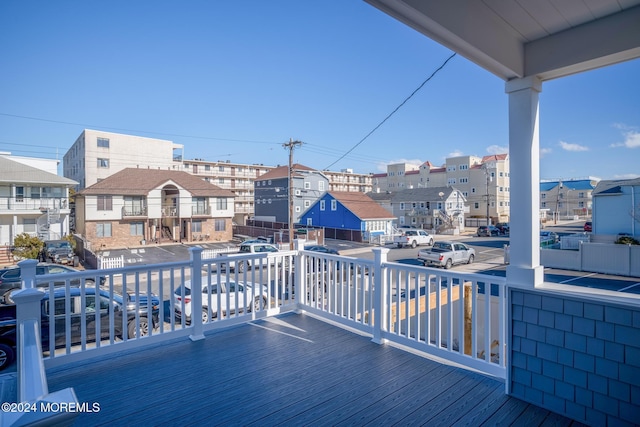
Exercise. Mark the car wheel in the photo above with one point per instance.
(448, 264)
(431, 242)
(399, 245)
(7, 355)
(6, 297)
(241, 266)
(144, 328)
(414, 244)
(205, 315)
(257, 302)
(470, 259)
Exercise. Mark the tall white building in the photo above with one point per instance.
(96, 155)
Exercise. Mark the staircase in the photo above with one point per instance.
(50, 216)
(6, 258)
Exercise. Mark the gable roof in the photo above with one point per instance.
(614, 186)
(361, 205)
(283, 172)
(139, 182)
(19, 173)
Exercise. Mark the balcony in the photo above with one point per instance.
(28, 204)
(312, 350)
(200, 210)
(134, 212)
(169, 211)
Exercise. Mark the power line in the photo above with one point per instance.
(394, 111)
(88, 126)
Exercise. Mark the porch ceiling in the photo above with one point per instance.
(514, 39)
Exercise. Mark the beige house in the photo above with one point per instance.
(140, 206)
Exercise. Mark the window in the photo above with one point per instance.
(103, 229)
(105, 203)
(451, 181)
(136, 229)
(103, 142)
(196, 226)
(220, 225)
(307, 185)
(473, 189)
(297, 208)
(322, 203)
(476, 205)
(221, 181)
(29, 225)
(401, 206)
(199, 205)
(543, 196)
(207, 167)
(580, 195)
(544, 204)
(307, 203)
(221, 203)
(334, 205)
(321, 185)
(463, 167)
(103, 163)
(19, 194)
(134, 205)
(221, 168)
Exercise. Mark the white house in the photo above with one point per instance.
(616, 207)
(32, 201)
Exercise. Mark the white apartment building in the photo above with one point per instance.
(96, 155)
(347, 180)
(483, 181)
(235, 177)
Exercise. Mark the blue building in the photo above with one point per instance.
(349, 214)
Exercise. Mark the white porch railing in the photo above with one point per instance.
(452, 315)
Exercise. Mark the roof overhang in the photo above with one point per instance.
(514, 40)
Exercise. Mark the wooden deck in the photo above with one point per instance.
(290, 370)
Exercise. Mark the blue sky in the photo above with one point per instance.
(234, 80)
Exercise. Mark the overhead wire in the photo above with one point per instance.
(394, 111)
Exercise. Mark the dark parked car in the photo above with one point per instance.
(487, 231)
(59, 252)
(321, 248)
(503, 227)
(10, 277)
(97, 302)
(587, 227)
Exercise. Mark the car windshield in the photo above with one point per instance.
(441, 245)
(183, 290)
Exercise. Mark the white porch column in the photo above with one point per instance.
(524, 153)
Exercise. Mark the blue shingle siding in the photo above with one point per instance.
(618, 316)
(576, 356)
(552, 304)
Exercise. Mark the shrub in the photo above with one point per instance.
(627, 240)
(26, 246)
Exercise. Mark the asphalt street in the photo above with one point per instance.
(489, 257)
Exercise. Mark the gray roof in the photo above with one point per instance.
(613, 186)
(18, 173)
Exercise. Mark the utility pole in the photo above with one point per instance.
(488, 176)
(290, 146)
(556, 214)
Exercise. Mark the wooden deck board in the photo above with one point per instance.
(292, 370)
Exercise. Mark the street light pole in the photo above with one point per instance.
(556, 214)
(291, 145)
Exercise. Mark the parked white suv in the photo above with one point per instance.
(234, 297)
(246, 248)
